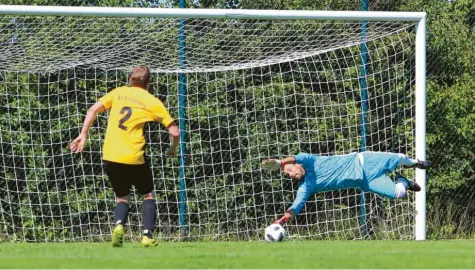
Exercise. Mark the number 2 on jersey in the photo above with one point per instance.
(128, 113)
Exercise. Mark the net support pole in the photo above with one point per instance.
(420, 222)
(182, 122)
(364, 108)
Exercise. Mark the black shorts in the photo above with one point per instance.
(123, 176)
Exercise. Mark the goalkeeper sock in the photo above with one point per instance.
(121, 211)
(401, 187)
(149, 213)
(404, 160)
(400, 190)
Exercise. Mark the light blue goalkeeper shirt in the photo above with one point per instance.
(324, 173)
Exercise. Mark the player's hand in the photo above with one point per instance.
(171, 152)
(78, 144)
(281, 221)
(271, 164)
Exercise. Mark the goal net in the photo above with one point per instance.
(242, 89)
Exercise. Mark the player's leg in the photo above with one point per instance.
(406, 161)
(376, 164)
(121, 185)
(384, 186)
(121, 212)
(144, 184)
(149, 215)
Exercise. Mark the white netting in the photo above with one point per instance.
(52, 43)
(255, 89)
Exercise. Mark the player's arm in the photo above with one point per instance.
(276, 164)
(78, 144)
(303, 193)
(91, 117)
(174, 132)
(163, 116)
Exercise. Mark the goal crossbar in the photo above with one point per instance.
(211, 13)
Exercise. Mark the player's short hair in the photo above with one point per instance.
(140, 77)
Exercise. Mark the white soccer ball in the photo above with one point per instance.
(274, 233)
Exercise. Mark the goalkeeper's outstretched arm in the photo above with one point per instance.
(273, 165)
(303, 193)
(295, 172)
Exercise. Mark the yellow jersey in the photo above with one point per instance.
(130, 108)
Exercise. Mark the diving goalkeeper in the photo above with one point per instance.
(366, 171)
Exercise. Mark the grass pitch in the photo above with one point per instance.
(290, 254)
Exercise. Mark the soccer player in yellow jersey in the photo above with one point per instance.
(123, 153)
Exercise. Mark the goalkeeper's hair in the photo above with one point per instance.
(140, 77)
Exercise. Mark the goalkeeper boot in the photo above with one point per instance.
(149, 241)
(421, 165)
(411, 185)
(118, 236)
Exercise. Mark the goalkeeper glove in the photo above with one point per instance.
(272, 164)
(281, 221)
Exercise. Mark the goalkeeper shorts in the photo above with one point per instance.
(124, 176)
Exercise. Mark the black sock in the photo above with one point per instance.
(121, 211)
(148, 212)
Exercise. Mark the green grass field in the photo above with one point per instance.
(291, 254)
